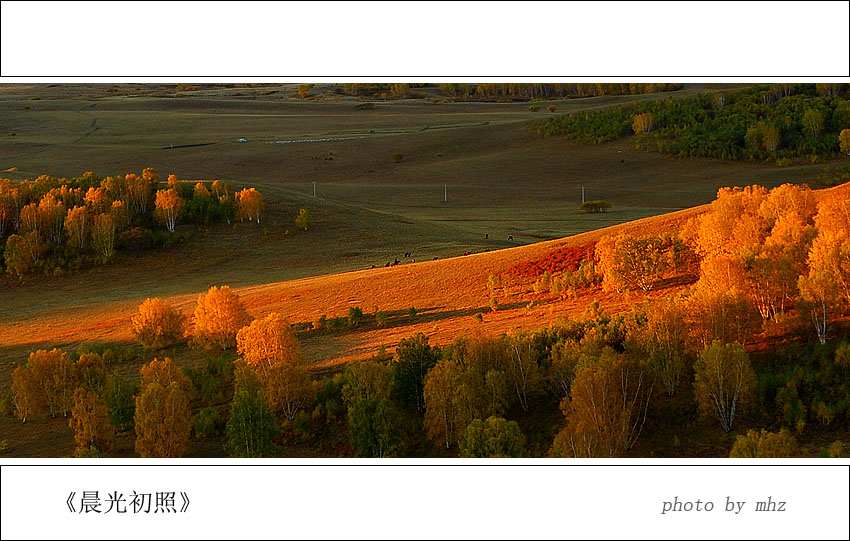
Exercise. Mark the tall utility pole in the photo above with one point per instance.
(314, 188)
(582, 194)
(445, 193)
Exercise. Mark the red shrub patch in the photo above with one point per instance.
(562, 259)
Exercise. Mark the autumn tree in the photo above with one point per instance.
(44, 385)
(97, 200)
(249, 204)
(826, 286)
(813, 122)
(366, 380)
(29, 219)
(770, 138)
(201, 191)
(844, 141)
(163, 419)
(493, 438)
(522, 370)
(764, 444)
(92, 373)
(139, 192)
(103, 235)
(27, 396)
(150, 176)
(218, 316)
(90, 422)
(302, 91)
(643, 123)
(9, 207)
(724, 381)
(51, 215)
(157, 324)
(269, 347)
(441, 403)
(830, 251)
(773, 270)
(491, 373)
(251, 426)
(566, 361)
(77, 227)
(168, 207)
(219, 188)
(116, 187)
(22, 252)
(120, 215)
(414, 357)
(662, 339)
(636, 262)
(607, 408)
(303, 220)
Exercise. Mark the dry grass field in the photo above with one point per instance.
(501, 178)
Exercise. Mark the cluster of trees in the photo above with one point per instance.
(270, 378)
(55, 224)
(78, 387)
(777, 123)
(530, 91)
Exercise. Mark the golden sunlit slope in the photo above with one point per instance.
(447, 295)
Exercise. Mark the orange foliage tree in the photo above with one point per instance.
(103, 235)
(22, 252)
(219, 188)
(826, 286)
(218, 316)
(844, 141)
(97, 199)
(168, 206)
(90, 422)
(607, 408)
(643, 123)
(51, 215)
(163, 419)
(201, 191)
(139, 191)
(44, 385)
(443, 410)
(77, 227)
(249, 204)
(157, 324)
(270, 348)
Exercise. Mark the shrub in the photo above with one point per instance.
(355, 316)
(595, 206)
(205, 423)
(552, 108)
(380, 319)
(365, 105)
(397, 157)
(411, 312)
(533, 108)
(135, 240)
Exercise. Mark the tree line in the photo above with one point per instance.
(505, 91)
(775, 123)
